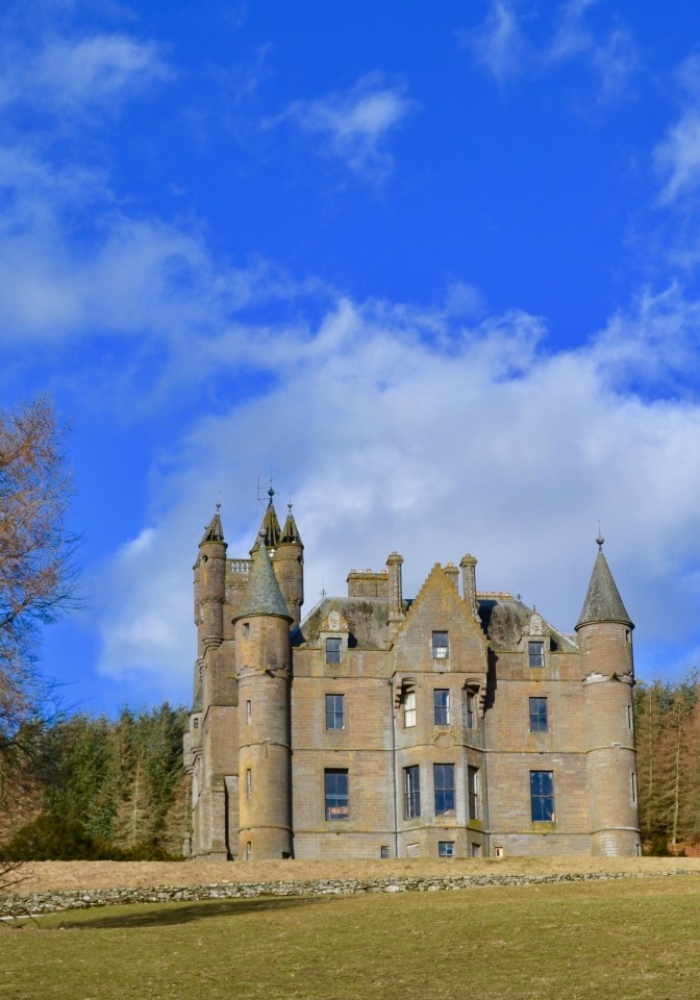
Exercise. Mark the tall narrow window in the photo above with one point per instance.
(249, 784)
(630, 718)
(542, 796)
(248, 712)
(337, 794)
(334, 650)
(441, 706)
(441, 645)
(471, 705)
(248, 851)
(335, 711)
(409, 709)
(444, 784)
(473, 787)
(411, 795)
(535, 654)
(633, 788)
(246, 628)
(538, 715)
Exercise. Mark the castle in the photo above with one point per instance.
(453, 724)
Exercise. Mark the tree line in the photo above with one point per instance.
(94, 787)
(667, 729)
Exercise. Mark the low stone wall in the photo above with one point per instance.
(54, 902)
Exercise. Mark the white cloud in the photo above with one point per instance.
(500, 44)
(678, 157)
(353, 125)
(72, 76)
(504, 48)
(393, 427)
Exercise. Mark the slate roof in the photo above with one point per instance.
(367, 619)
(603, 602)
(214, 532)
(503, 618)
(262, 595)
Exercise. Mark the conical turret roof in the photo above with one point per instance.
(214, 531)
(263, 595)
(270, 527)
(603, 602)
(290, 532)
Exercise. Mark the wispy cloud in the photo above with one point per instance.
(82, 75)
(611, 53)
(677, 156)
(500, 45)
(505, 49)
(353, 126)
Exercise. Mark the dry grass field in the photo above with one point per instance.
(623, 939)
(48, 876)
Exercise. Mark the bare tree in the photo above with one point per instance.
(36, 576)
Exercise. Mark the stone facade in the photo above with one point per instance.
(454, 724)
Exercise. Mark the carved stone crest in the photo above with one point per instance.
(536, 626)
(334, 622)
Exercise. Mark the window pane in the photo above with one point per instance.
(409, 709)
(446, 848)
(542, 796)
(538, 715)
(441, 701)
(335, 711)
(411, 792)
(334, 650)
(444, 783)
(470, 710)
(535, 653)
(441, 646)
(337, 800)
(473, 783)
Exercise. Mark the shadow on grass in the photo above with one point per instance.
(160, 915)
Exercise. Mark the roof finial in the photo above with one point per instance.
(270, 493)
(218, 506)
(599, 540)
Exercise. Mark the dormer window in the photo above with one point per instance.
(441, 645)
(535, 653)
(334, 650)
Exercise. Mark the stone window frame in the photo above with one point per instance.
(536, 652)
(473, 792)
(538, 706)
(411, 792)
(439, 647)
(444, 788)
(542, 796)
(442, 713)
(336, 794)
(335, 711)
(333, 647)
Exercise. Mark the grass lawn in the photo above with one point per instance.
(622, 940)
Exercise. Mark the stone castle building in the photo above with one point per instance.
(457, 723)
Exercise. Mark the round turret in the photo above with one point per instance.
(210, 585)
(263, 656)
(605, 639)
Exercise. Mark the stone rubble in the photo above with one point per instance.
(55, 902)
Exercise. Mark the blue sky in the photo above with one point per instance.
(434, 269)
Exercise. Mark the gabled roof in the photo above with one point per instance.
(262, 595)
(214, 531)
(603, 602)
